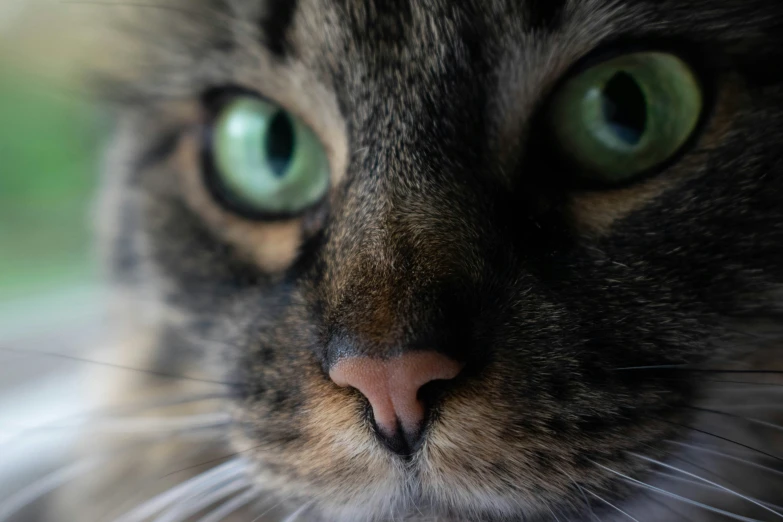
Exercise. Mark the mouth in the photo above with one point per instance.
(403, 443)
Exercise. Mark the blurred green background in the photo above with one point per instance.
(48, 164)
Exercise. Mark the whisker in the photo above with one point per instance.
(272, 507)
(191, 506)
(43, 487)
(299, 512)
(701, 468)
(85, 418)
(654, 367)
(706, 481)
(660, 503)
(696, 483)
(587, 502)
(674, 496)
(740, 417)
(554, 516)
(160, 502)
(152, 482)
(686, 368)
(773, 407)
(154, 373)
(231, 456)
(150, 425)
(723, 381)
(212, 461)
(725, 439)
(233, 505)
(56, 479)
(726, 456)
(610, 505)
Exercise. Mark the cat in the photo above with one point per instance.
(476, 260)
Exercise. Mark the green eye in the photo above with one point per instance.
(626, 115)
(266, 160)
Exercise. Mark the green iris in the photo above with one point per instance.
(267, 160)
(626, 115)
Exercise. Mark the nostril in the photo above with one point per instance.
(432, 392)
(398, 389)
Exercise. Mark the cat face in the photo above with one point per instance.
(463, 318)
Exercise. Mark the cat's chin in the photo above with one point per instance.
(400, 494)
(408, 507)
(409, 491)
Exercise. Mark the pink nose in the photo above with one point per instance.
(392, 385)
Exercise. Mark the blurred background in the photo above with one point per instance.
(48, 144)
(50, 300)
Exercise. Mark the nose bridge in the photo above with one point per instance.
(365, 296)
(374, 270)
(402, 242)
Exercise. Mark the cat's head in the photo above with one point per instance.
(464, 260)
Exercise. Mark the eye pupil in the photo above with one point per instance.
(625, 108)
(280, 143)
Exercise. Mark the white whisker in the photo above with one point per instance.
(193, 505)
(554, 516)
(272, 507)
(751, 420)
(160, 502)
(610, 505)
(587, 502)
(88, 419)
(674, 496)
(774, 407)
(233, 505)
(153, 425)
(760, 422)
(727, 456)
(715, 484)
(696, 483)
(293, 517)
(44, 486)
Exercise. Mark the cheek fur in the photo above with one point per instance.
(331, 458)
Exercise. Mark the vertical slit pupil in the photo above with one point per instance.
(280, 142)
(625, 108)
